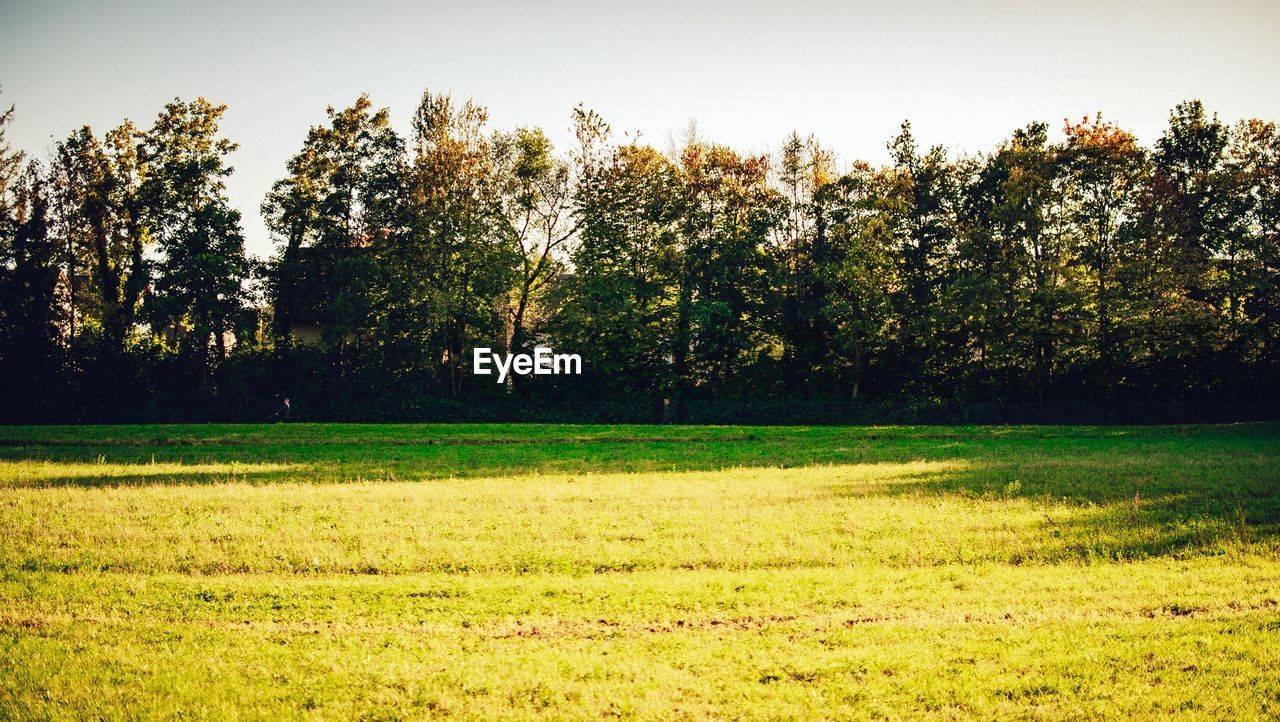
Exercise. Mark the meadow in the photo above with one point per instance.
(338, 571)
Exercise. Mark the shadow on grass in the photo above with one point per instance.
(1130, 510)
(1158, 492)
(372, 453)
(47, 474)
(338, 463)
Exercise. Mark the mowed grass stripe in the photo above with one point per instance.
(1148, 668)
(640, 601)
(915, 513)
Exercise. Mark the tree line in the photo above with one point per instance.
(1071, 276)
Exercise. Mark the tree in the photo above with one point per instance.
(200, 280)
(319, 213)
(1103, 168)
(1018, 279)
(31, 356)
(1188, 162)
(1254, 165)
(853, 261)
(724, 302)
(1081, 271)
(918, 207)
(538, 203)
(618, 307)
(105, 217)
(10, 167)
(446, 262)
(801, 249)
(1170, 269)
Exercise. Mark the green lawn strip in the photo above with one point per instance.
(364, 453)
(914, 513)
(355, 434)
(603, 604)
(1145, 640)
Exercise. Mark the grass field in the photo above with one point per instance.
(408, 571)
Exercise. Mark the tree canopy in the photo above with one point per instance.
(1068, 273)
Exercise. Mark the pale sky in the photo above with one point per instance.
(965, 72)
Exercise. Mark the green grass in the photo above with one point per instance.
(482, 571)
